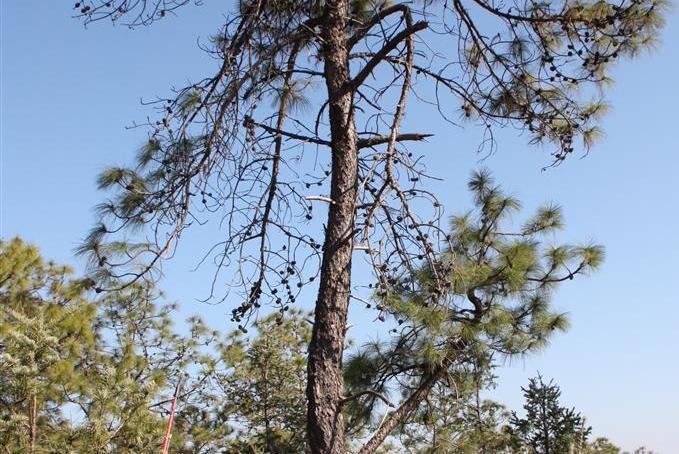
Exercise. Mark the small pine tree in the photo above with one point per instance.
(139, 362)
(602, 446)
(263, 379)
(549, 428)
(456, 419)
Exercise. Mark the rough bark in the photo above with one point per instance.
(325, 389)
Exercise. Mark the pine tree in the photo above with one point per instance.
(643, 450)
(219, 147)
(45, 329)
(602, 446)
(139, 363)
(264, 379)
(78, 375)
(549, 428)
(455, 418)
(500, 281)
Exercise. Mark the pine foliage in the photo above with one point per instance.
(547, 427)
(498, 300)
(45, 330)
(79, 374)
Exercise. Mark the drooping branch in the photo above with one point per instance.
(256, 290)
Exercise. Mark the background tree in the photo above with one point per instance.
(219, 147)
(45, 327)
(79, 375)
(140, 361)
(457, 419)
(602, 446)
(549, 428)
(263, 380)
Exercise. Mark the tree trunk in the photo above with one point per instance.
(545, 428)
(325, 387)
(406, 408)
(32, 420)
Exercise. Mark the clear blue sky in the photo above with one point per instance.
(68, 92)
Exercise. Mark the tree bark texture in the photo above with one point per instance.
(325, 388)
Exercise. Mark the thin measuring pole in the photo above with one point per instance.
(168, 430)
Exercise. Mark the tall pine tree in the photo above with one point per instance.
(218, 146)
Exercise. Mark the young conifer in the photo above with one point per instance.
(547, 427)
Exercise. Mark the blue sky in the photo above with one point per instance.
(68, 93)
